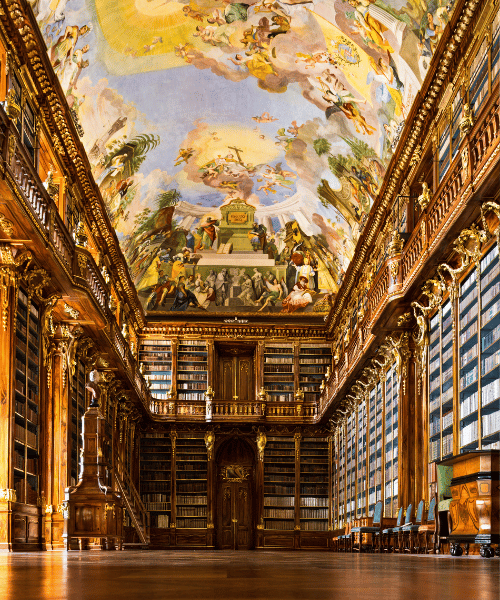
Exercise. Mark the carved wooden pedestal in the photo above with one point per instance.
(93, 510)
(475, 504)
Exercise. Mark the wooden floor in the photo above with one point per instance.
(207, 575)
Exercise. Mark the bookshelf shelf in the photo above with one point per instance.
(314, 359)
(156, 476)
(156, 356)
(279, 483)
(279, 378)
(191, 483)
(27, 387)
(192, 370)
(314, 493)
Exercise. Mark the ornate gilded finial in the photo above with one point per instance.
(396, 244)
(425, 197)
(80, 236)
(13, 109)
(467, 121)
(328, 372)
(112, 303)
(209, 394)
(141, 367)
(299, 396)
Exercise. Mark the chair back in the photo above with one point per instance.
(420, 512)
(377, 513)
(409, 514)
(400, 517)
(432, 509)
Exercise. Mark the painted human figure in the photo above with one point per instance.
(208, 232)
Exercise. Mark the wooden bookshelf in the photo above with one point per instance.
(314, 359)
(361, 482)
(279, 483)
(376, 412)
(350, 489)
(156, 476)
(314, 494)
(156, 357)
(27, 390)
(191, 469)
(441, 383)
(192, 370)
(391, 439)
(279, 379)
(78, 406)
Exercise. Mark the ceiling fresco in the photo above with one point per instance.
(239, 146)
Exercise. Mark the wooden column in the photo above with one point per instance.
(297, 437)
(8, 299)
(173, 507)
(55, 441)
(259, 491)
(211, 479)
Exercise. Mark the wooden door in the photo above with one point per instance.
(235, 515)
(236, 378)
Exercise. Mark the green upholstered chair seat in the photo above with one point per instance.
(365, 529)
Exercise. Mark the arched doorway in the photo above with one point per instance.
(235, 478)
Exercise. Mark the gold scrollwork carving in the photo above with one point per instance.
(210, 443)
(8, 495)
(235, 473)
(6, 225)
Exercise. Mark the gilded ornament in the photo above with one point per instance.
(396, 244)
(82, 263)
(394, 269)
(6, 226)
(210, 443)
(425, 197)
(80, 236)
(8, 495)
(404, 319)
(261, 444)
(72, 312)
(13, 109)
(467, 121)
(465, 160)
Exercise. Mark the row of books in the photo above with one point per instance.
(279, 525)
(489, 313)
(190, 397)
(490, 362)
(315, 361)
(158, 465)
(469, 316)
(156, 506)
(25, 435)
(191, 500)
(279, 501)
(192, 523)
(278, 360)
(468, 356)
(279, 513)
(308, 513)
(314, 525)
(279, 489)
(491, 423)
(191, 511)
(277, 369)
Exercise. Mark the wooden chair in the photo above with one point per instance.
(409, 532)
(398, 531)
(344, 539)
(387, 533)
(375, 529)
(427, 531)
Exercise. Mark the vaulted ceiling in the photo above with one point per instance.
(201, 118)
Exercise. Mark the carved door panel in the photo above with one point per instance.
(226, 378)
(245, 378)
(235, 378)
(235, 516)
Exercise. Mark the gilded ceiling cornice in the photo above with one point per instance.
(400, 162)
(20, 24)
(219, 331)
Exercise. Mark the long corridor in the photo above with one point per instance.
(228, 575)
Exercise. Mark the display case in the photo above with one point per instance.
(192, 370)
(156, 476)
(279, 372)
(191, 482)
(27, 389)
(314, 484)
(279, 483)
